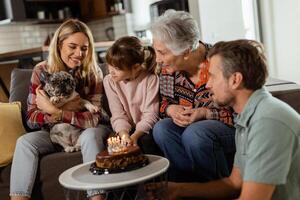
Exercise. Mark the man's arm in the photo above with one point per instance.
(226, 188)
(257, 191)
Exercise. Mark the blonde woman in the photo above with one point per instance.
(71, 50)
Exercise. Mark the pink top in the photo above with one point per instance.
(133, 104)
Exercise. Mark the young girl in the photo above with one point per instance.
(132, 89)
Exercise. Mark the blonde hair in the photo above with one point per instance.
(69, 27)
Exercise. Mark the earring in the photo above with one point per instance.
(185, 57)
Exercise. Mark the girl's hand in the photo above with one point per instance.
(43, 102)
(124, 135)
(135, 137)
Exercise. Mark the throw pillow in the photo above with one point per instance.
(11, 127)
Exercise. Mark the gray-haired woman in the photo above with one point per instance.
(194, 134)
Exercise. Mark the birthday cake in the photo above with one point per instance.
(120, 156)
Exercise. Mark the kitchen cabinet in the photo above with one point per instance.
(42, 10)
(96, 9)
(51, 9)
(55, 11)
(91, 9)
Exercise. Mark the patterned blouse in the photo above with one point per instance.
(36, 119)
(177, 88)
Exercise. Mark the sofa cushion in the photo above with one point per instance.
(19, 86)
(19, 90)
(11, 128)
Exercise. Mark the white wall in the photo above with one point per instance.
(221, 20)
(195, 11)
(281, 36)
(141, 14)
(280, 27)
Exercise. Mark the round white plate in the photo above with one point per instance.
(80, 178)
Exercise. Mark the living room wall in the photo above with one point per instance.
(281, 30)
(278, 23)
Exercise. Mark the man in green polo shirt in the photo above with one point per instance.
(267, 160)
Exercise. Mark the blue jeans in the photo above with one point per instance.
(31, 145)
(198, 150)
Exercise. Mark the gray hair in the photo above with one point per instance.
(178, 30)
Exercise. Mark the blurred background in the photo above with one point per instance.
(29, 24)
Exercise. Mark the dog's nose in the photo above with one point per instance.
(54, 100)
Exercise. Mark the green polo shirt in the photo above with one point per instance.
(268, 144)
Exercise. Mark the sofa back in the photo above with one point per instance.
(288, 92)
(19, 86)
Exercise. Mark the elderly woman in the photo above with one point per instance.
(194, 134)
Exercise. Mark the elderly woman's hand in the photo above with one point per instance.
(176, 112)
(195, 114)
(43, 102)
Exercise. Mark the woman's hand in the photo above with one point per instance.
(176, 112)
(195, 114)
(135, 137)
(74, 105)
(173, 110)
(43, 102)
(184, 116)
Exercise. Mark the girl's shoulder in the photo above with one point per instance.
(148, 79)
(153, 77)
(107, 80)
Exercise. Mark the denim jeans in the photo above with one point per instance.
(198, 151)
(31, 145)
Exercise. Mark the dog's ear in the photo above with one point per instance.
(45, 77)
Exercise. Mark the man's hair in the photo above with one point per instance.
(244, 56)
(178, 30)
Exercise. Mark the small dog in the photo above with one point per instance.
(60, 87)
